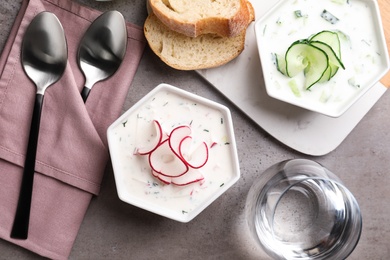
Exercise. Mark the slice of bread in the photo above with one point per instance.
(184, 52)
(226, 18)
(188, 53)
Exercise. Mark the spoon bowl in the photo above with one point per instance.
(44, 58)
(44, 51)
(102, 49)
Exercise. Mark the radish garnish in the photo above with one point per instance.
(213, 144)
(162, 178)
(172, 157)
(154, 141)
(194, 159)
(164, 161)
(176, 136)
(191, 176)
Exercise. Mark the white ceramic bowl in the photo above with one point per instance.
(363, 51)
(210, 122)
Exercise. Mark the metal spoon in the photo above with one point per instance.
(102, 49)
(44, 58)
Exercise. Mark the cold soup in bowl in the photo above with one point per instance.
(173, 153)
(322, 55)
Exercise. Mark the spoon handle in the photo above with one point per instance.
(22, 217)
(85, 93)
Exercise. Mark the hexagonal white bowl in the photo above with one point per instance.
(363, 51)
(134, 182)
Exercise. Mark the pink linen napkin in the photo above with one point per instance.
(72, 147)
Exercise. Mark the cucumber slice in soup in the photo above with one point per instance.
(326, 76)
(333, 59)
(301, 55)
(329, 73)
(334, 63)
(330, 38)
(280, 63)
(296, 60)
(334, 70)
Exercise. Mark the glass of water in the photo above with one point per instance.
(298, 209)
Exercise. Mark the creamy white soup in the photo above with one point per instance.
(172, 110)
(360, 49)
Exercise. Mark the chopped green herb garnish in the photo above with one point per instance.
(298, 14)
(227, 143)
(166, 103)
(184, 212)
(329, 17)
(353, 83)
(124, 123)
(206, 130)
(264, 30)
(221, 120)
(221, 184)
(366, 42)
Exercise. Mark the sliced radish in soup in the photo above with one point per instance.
(154, 139)
(191, 176)
(164, 161)
(162, 178)
(177, 135)
(193, 158)
(174, 157)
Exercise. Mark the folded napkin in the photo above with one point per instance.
(72, 147)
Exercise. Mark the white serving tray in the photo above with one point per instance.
(308, 132)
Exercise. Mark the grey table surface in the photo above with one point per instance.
(115, 230)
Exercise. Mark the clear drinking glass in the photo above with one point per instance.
(298, 209)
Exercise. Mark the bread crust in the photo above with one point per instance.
(164, 42)
(220, 25)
